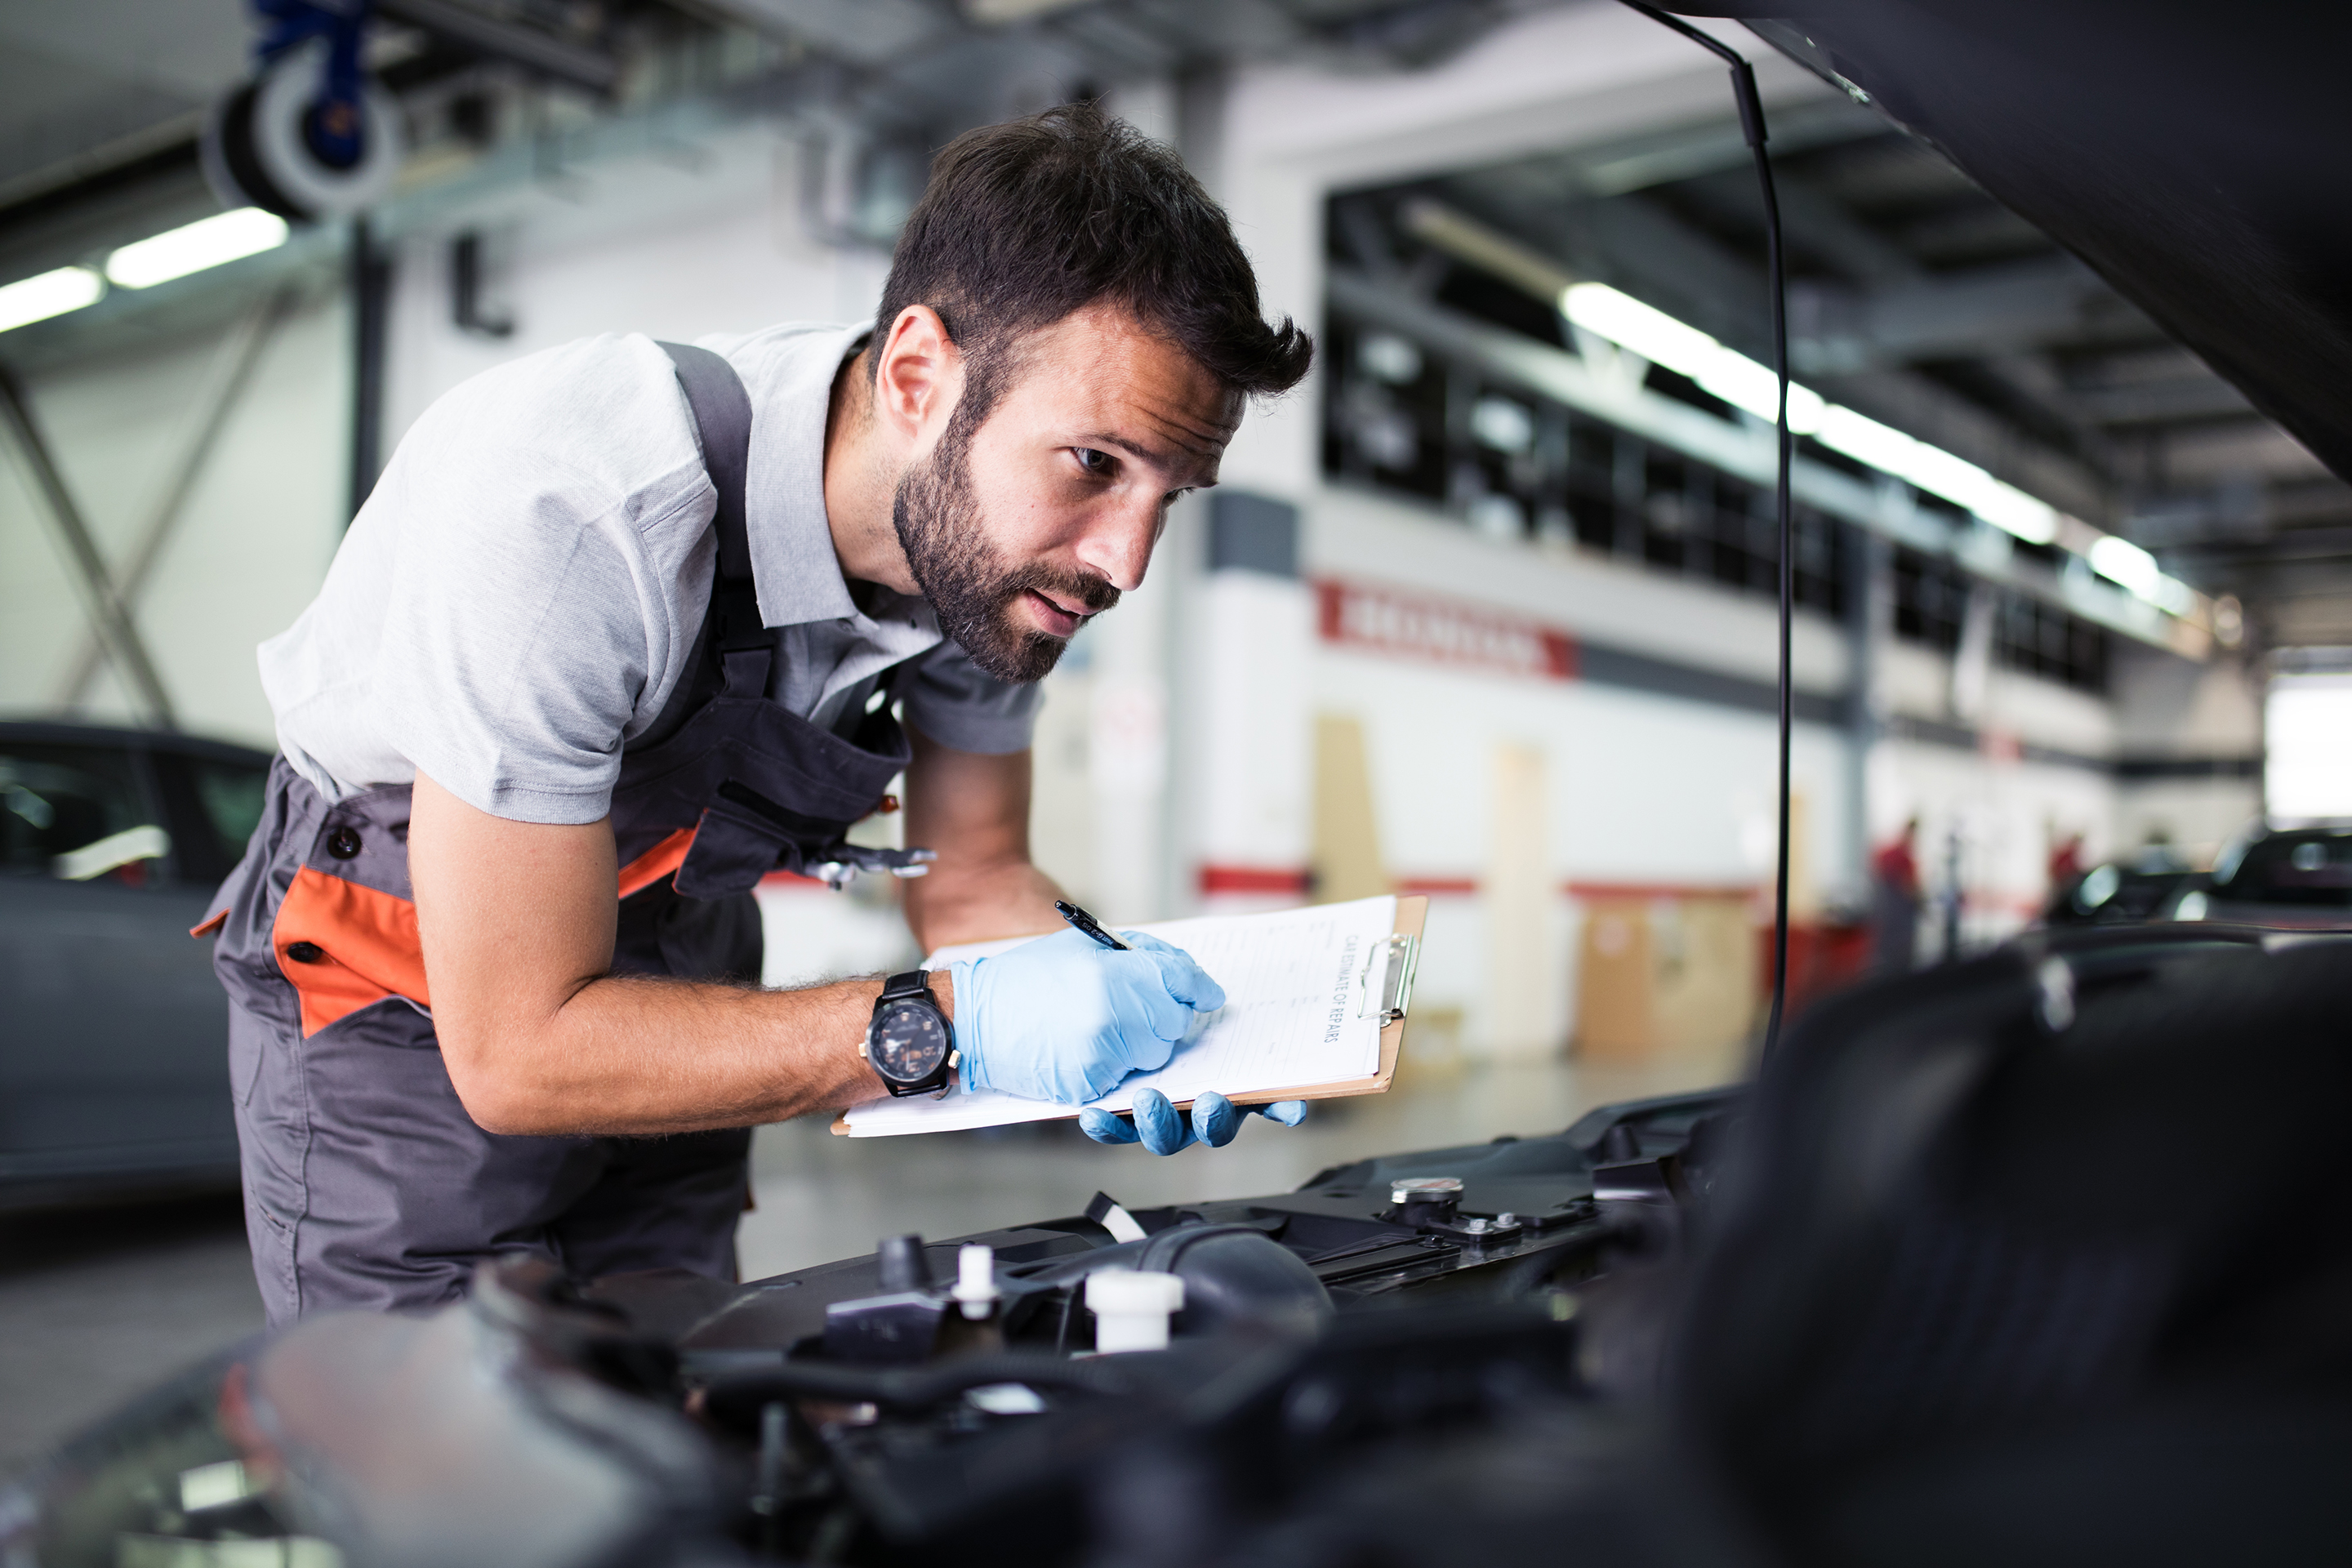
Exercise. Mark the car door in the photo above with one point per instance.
(114, 1058)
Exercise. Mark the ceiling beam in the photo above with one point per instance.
(2200, 399)
(1982, 310)
(534, 49)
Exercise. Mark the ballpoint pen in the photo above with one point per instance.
(1087, 923)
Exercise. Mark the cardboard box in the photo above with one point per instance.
(1664, 971)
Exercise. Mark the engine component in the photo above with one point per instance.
(1132, 1308)
(903, 1265)
(1427, 1200)
(898, 1329)
(975, 1287)
(502, 1411)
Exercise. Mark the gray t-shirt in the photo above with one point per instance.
(521, 594)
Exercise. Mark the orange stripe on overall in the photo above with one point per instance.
(361, 944)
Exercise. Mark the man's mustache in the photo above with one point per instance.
(1092, 593)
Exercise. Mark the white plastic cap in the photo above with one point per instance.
(1131, 1308)
(975, 1285)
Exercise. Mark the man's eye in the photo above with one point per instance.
(1093, 461)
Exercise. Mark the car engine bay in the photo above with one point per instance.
(1969, 1263)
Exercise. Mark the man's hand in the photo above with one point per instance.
(517, 920)
(973, 810)
(1064, 1018)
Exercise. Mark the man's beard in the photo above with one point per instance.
(970, 586)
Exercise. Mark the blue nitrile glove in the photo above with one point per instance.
(1064, 1018)
(1158, 1127)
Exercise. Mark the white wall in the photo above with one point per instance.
(259, 526)
(1352, 534)
(1642, 790)
(2196, 816)
(2167, 707)
(2171, 709)
(708, 239)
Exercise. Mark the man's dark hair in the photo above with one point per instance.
(1025, 221)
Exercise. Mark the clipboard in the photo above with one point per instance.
(1384, 985)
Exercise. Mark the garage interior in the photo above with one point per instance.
(1483, 612)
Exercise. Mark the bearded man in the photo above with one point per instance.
(627, 626)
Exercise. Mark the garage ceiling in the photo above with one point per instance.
(77, 78)
(1915, 296)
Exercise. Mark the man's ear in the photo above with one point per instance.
(918, 375)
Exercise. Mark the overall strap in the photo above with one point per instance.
(722, 413)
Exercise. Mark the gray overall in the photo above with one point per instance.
(366, 1184)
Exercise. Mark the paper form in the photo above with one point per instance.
(1294, 1017)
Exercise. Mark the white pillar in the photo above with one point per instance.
(1245, 764)
(1128, 729)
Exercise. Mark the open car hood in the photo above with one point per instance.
(2193, 153)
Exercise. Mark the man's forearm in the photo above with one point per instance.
(973, 808)
(539, 1037)
(980, 903)
(638, 1054)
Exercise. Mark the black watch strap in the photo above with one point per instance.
(914, 983)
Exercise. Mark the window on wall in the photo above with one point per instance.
(1399, 416)
(1511, 464)
(2308, 723)
(1931, 600)
(1931, 606)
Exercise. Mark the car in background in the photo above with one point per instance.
(2133, 890)
(114, 1057)
(2297, 877)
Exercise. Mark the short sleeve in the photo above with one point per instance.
(526, 628)
(958, 704)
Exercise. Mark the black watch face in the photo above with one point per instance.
(909, 1042)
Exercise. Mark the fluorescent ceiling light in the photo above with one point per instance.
(47, 294)
(2129, 567)
(1744, 384)
(2126, 565)
(1005, 13)
(1741, 382)
(1662, 340)
(191, 247)
(2006, 507)
(1648, 330)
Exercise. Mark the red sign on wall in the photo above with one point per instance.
(1442, 631)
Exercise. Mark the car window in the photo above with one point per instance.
(232, 794)
(77, 813)
(2294, 868)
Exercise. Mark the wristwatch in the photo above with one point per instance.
(910, 1043)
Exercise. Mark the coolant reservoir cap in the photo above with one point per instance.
(1120, 1292)
(1425, 1189)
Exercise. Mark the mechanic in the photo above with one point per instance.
(572, 687)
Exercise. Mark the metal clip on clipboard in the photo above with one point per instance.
(1386, 984)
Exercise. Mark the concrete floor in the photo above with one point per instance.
(96, 1305)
